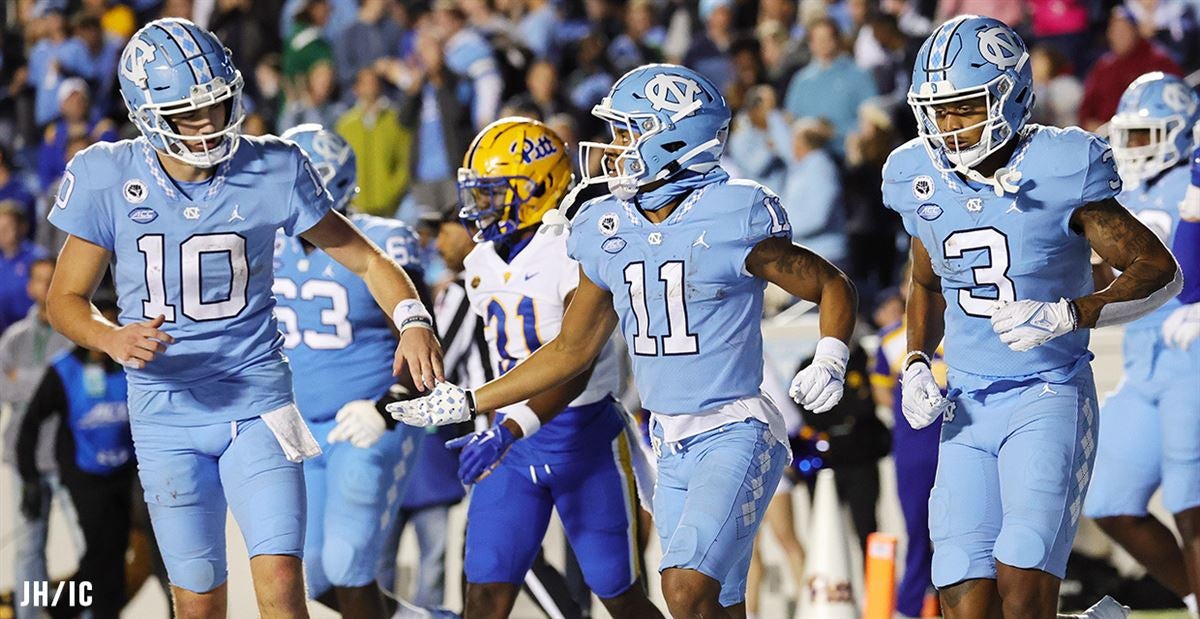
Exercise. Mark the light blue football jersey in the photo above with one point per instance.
(202, 260)
(338, 340)
(1015, 247)
(689, 311)
(1156, 204)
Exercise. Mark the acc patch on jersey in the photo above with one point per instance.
(134, 191)
(613, 245)
(143, 215)
(929, 211)
(922, 187)
(608, 224)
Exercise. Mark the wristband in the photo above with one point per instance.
(522, 415)
(833, 349)
(1074, 313)
(410, 313)
(913, 357)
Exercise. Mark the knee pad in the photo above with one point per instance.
(682, 548)
(196, 575)
(347, 565)
(951, 564)
(360, 485)
(1020, 546)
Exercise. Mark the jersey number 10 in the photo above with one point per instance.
(191, 283)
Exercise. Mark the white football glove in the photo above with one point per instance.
(446, 404)
(818, 387)
(1026, 324)
(921, 399)
(359, 423)
(1182, 327)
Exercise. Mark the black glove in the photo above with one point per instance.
(33, 494)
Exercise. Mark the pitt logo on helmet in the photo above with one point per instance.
(514, 172)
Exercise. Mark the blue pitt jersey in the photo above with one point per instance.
(689, 311)
(1015, 247)
(202, 259)
(339, 341)
(1156, 204)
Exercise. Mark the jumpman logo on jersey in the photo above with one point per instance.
(1046, 389)
(1014, 208)
(699, 242)
(236, 216)
(328, 272)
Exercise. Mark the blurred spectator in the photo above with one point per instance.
(748, 71)
(382, 145)
(1007, 11)
(1058, 91)
(315, 101)
(435, 111)
(542, 97)
(589, 83)
(537, 27)
(249, 34)
(12, 189)
(709, 51)
(268, 81)
(372, 36)
(51, 60)
(750, 146)
(116, 19)
(16, 256)
(782, 55)
(100, 58)
(831, 86)
(882, 49)
(1063, 25)
(86, 392)
(471, 58)
(26, 349)
(911, 21)
(305, 46)
(77, 119)
(1130, 55)
(341, 15)
(641, 41)
(915, 455)
(483, 17)
(812, 194)
(1171, 24)
(51, 237)
(871, 228)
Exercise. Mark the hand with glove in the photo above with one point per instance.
(1023, 325)
(446, 404)
(1182, 327)
(481, 452)
(818, 387)
(358, 422)
(921, 399)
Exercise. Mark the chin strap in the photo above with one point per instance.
(1003, 181)
(555, 220)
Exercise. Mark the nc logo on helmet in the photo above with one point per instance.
(671, 92)
(133, 61)
(1177, 97)
(330, 147)
(1000, 47)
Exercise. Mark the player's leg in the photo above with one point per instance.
(965, 514)
(596, 498)
(1180, 411)
(1045, 465)
(266, 496)
(1128, 470)
(781, 518)
(754, 578)
(364, 488)
(506, 521)
(731, 473)
(316, 477)
(182, 487)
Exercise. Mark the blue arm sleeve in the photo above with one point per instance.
(1187, 252)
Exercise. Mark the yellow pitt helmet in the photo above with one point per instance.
(515, 170)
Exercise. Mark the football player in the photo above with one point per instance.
(679, 254)
(337, 341)
(573, 455)
(186, 216)
(1002, 215)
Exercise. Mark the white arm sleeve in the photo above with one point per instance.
(1127, 311)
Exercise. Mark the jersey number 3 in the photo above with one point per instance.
(990, 276)
(679, 339)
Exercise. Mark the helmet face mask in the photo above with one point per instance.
(1154, 127)
(492, 203)
(172, 67)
